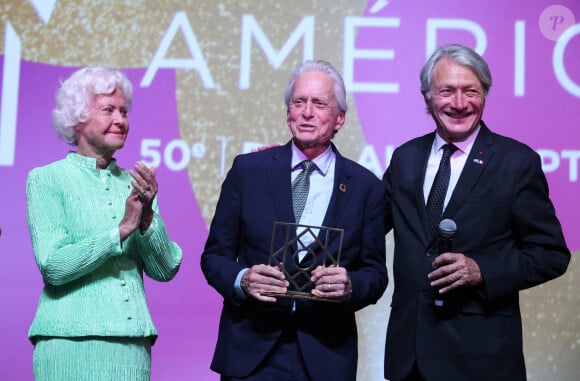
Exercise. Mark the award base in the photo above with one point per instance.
(300, 295)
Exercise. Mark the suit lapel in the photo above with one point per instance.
(340, 195)
(479, 157)
(280, 189)
(419, 168)
(279, 179)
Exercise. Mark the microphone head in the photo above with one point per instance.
(447, 228)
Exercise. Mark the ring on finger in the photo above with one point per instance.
(142, 193)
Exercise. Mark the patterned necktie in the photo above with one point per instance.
(300, 188)
(439, 189)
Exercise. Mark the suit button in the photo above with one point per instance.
(430, 252)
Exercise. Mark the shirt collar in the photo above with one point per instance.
(322, 161)
(463, 146)
(89, 162)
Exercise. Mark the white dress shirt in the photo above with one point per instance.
(457, 162)
(321, 185)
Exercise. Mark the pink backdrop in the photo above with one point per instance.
(535, 98)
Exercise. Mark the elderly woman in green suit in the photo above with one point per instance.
(95, 228)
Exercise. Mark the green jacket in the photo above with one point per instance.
(93, 283)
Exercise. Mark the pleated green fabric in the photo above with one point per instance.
(93, 282)
(92, 359)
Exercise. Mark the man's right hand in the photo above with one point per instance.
(264, 278)
(265, 147)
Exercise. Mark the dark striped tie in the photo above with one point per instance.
(439, 189)
(300, 188)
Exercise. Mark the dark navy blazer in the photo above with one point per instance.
(255, 194)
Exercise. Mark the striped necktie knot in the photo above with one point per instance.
(300, 188)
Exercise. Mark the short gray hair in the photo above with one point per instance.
(75, 94)
(459, 54)
(324, 67)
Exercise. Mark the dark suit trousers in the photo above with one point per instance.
(283, 363)
(415, 375)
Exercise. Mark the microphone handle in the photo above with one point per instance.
(445, 245)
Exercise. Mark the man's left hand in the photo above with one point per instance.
(331, 283)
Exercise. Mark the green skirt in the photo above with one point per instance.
(92, 358)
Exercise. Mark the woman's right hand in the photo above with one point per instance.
(132, 217)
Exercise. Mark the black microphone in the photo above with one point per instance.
(447, 229)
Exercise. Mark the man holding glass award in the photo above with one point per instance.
(296, 246)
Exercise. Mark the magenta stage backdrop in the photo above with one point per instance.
(533, 48)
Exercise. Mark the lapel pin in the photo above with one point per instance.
(342, 188)
(478, 161)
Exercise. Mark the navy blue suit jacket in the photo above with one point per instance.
(255, 194)
(507, 224)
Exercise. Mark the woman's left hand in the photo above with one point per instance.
(146, 186)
